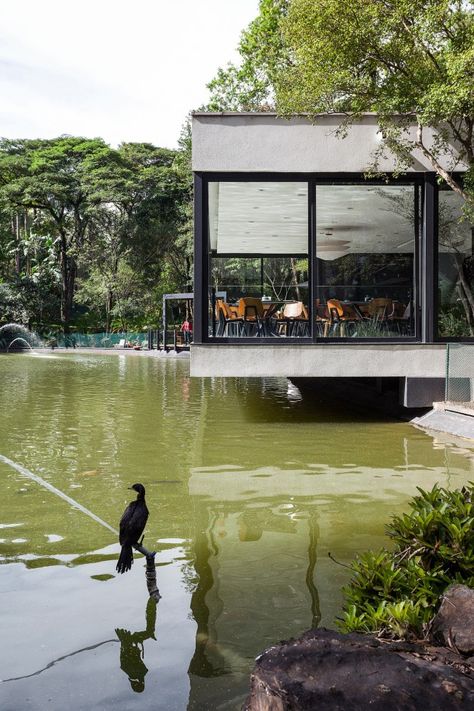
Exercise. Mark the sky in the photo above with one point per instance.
(122, 71)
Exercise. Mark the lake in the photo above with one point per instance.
(249, 487)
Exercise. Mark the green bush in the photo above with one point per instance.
(396, 592)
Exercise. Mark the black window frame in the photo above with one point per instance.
(425, 254)
(436, 337)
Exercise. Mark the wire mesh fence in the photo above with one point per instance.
(460, 373)
(127, 339)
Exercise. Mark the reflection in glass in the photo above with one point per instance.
(365, 266)
(455, 268)
(258, 243)
(132, 650)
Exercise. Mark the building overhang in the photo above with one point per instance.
(354, 360)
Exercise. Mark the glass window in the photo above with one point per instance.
(365, 261)
(455, 268)
(258, 263)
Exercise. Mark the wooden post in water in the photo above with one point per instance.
(150, 572)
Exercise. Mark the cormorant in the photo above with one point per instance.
(132, 524)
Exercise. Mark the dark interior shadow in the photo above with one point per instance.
(132, 650)
(312, 400)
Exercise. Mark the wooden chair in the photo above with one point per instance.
(252, 313)
(341, 318)
(228, 321)
(401, 318)
(295, 319)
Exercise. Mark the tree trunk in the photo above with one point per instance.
(294, 278)
(462, 296)
(108, 308)
(68, 273)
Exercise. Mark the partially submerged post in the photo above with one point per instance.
(150, 571)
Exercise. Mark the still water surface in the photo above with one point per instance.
(249, 487)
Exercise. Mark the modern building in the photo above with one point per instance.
(326, 272)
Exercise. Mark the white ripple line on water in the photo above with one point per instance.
(26, 472)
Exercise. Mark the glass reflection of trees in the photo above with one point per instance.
(278, 278)
(456, 268)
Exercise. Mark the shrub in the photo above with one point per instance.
(396, 592)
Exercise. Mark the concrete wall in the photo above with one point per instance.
(263, 142)
(387, 360)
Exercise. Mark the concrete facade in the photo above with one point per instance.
(241, 146)
(384, 360)
(246, 142)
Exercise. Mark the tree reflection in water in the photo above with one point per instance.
(132, 649)
(207, 660)
(226, 585)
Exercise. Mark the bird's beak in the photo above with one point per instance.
(130, 487)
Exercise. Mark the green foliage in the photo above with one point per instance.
(249, 86)
(396, 593)
(87, 227)
(406, 61)
(452, 321)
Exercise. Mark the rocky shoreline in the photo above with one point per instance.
(324, 669)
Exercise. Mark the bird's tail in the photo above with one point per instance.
(125, 559)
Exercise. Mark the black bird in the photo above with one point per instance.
(132, 524)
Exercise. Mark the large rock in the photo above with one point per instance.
(453, 626)
(327, 670)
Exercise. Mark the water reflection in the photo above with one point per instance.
(132, 650)
(249, 488)
(206, 604)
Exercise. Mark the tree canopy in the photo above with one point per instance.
(406, 61)
(87, 227)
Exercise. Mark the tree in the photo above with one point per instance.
(52, 177)
(406, 61)
(134, 228)
(250, 86)
(107, 221)
(411, 63)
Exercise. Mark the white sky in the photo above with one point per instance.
(124, 71)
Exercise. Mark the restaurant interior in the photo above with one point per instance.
(354, 246)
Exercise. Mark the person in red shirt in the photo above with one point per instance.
(187, 329)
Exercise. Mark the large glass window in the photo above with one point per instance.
(455, 268)
(258, 263)
(365, 261)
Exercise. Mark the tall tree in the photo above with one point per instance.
(249, 86)
(136, 228)
(52, 176)
(406, 61)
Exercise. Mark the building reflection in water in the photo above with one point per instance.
(255, 566)
(132, 649)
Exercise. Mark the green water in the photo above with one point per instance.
(249, 487)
